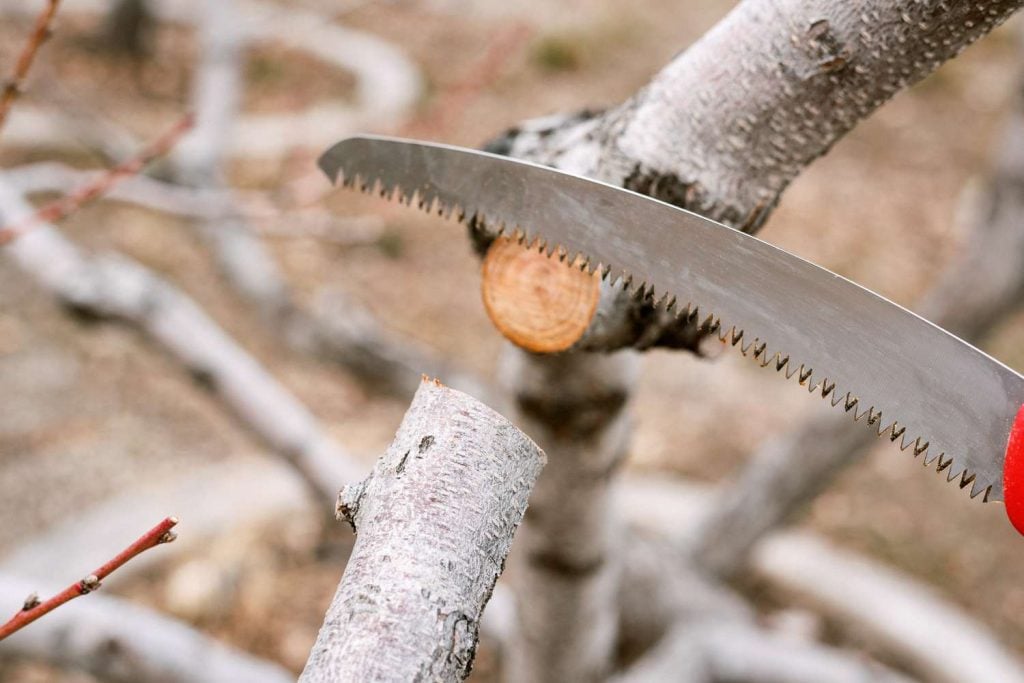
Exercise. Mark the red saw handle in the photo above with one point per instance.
(1013, 474)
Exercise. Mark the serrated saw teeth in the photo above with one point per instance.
(692, 313)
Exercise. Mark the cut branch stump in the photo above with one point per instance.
(434, 523)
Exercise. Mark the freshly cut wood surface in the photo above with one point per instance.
(537, 302)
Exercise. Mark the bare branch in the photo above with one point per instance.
(435, 521)
(109, 286)
(216, 496)
(705, 652)
(893, 611)
(801, 74)
(33, 609)
(64, 206)
(904, 617)
(124, 643)
(568, 560)
(41, 31)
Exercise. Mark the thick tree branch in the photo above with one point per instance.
(434, 524)
(728, 124)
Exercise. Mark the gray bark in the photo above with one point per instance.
(722, 130)
(566, 567)
(124, 643)
(799, 75)
(434, 523)
(970, 298)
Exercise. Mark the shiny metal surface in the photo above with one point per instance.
(864, 353)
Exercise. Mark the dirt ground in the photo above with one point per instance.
(93, 410)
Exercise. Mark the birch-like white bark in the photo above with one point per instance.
(799, 74)
(115, 287)
(727, 125)
(124, 643)
(434, 523)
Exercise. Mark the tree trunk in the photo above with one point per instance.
(566, 568)
(434, 523)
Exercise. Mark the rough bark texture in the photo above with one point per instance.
(434, 523)
(787, 473)
(799, 75)
(124, 643)
(566, 566)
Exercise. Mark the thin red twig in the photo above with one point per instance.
(33, 608)
(72, 201)
(12, 88)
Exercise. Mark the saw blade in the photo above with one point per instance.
(926, 390)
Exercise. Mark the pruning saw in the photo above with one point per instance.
(933, 394)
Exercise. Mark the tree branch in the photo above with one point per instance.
(891, 610)
(123, 643)
(800, 74)
(110, 286)
(434, 523)
(40, 32)
(568, 560)
(63, 207)
(34, 609)
(713, 651)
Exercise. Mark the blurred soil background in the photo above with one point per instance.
(91, 410)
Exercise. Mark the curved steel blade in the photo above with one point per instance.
(921, 386)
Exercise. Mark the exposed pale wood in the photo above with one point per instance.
(124, 643)
(538, 302)
(800, 74)
(434, 523)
